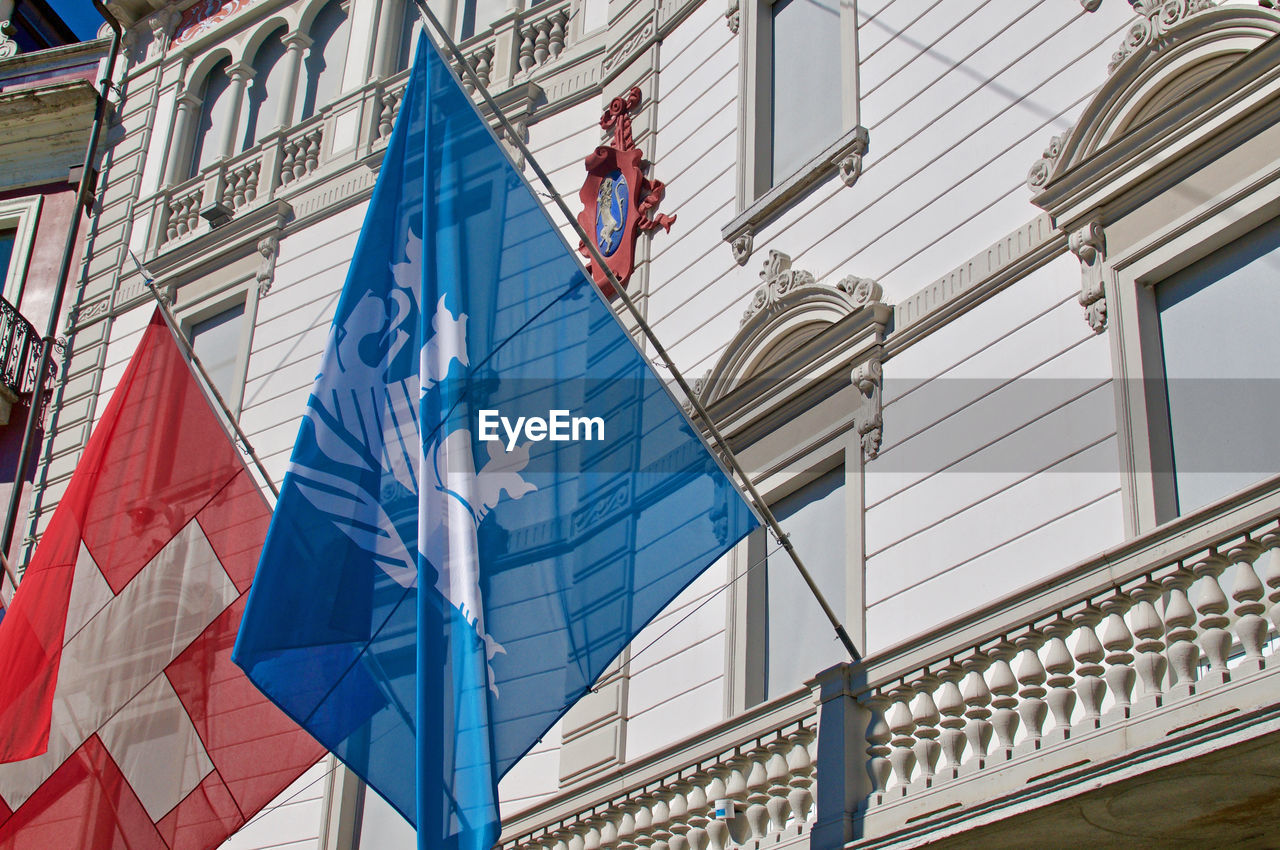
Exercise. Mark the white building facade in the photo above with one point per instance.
(984, 298)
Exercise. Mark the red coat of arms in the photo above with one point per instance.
(618, 201)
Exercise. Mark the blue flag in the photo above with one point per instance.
(491, 492)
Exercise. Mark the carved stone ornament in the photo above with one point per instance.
(733, 16)
(1090, 247)
(268, 247)
(868, 378)
(618, 201)
(862, 290)
(8, 47)
(741, 247)
(777, 278)
(1091, 5)
(1155, 26)
(849, 161)
(1039, 174)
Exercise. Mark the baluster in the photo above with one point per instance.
(1211, 603)
(1149, 632)
(541, 41)
(251, 184)
(1004, 689)
(678, 814)
(1031, 676)
(697, 806)
(736, 792)
(977, 696)
(484, 65)
(925, 716)
(901, 724)
(1247, 591)
(778, 774)
(1059, 664)
(1089, 653)
(951, 705)
(626, 826)
(558, 21)
(800, 763)
(313, 151)
(526, 49)
(878, 734)
(591, 838)
(1180, 634)
(287, 161)
(1118, 640)
(1269, 567)
(757, 792)
(717, 789)
(656, 834)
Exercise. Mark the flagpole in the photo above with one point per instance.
(192, 358)
(755, 501)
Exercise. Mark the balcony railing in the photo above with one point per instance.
(511, 53)
(760, 765)
(19, 351)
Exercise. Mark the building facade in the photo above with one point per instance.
(981, 293)
(48, 93)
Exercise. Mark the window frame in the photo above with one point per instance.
(23, 216)
(1142, 411)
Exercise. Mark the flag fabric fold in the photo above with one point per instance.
(490, 494)
(123, 720)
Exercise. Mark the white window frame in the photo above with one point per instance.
(1146, 443)
(759, 197)
(21, 215)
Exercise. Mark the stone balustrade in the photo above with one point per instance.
(766, 778)
(1114, 655)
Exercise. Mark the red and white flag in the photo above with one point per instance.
(124, 721)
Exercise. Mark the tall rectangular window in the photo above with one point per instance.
(799, 640)
(1222, 367)
(806, 82)
(8, 240)
(218, 342)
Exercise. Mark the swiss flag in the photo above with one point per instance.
(125, 722)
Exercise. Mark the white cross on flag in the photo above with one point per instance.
(123, 720)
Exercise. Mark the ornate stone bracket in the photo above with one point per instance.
(741, 247)
(268, 247)
(1090, 247)
(868, 378)
(733, 16)
(849, 160)
(8, 47)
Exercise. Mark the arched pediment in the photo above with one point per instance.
(1169, 51)
(788, 310)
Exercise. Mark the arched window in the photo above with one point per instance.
(324, 62)
(267, 90)
(216, 110)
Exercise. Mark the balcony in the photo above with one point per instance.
(1134, 700)
(19, 356)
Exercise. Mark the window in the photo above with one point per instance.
(17, 235)
(1222, 367)
(798, 640)
(216, 109)
(267, 92)
(800, 86)
(325, 58)
(804, 91)
(219, 340)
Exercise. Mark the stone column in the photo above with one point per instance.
(239, 74)
(296, 45)
(180, 151)
(386, 41)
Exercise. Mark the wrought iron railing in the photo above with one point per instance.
(19, 350)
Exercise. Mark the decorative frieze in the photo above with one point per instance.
(1089, 244)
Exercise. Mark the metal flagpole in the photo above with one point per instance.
(185, 345)
(755, 500)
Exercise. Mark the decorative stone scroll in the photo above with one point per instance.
(1089, 244)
